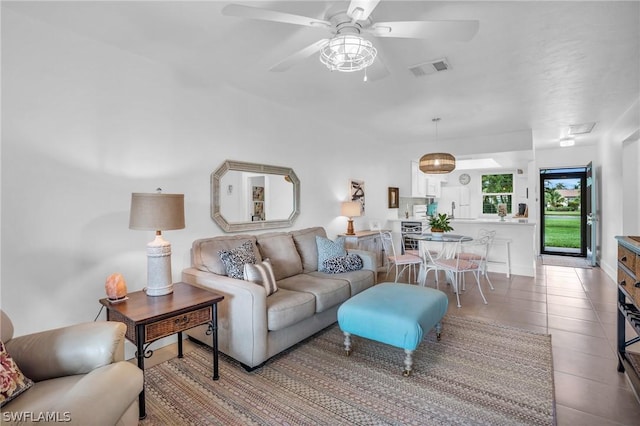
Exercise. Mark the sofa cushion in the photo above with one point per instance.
(285, 308)
(328, 249)
(235, 259)
(261, 274)
(305, 240)
(12, 381)
(280, 249)
(337, 265)
(204, 252)
(328, 290)
(358, 280)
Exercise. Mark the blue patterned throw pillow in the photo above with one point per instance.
(235, 259)
(337, 265)
(328, 249)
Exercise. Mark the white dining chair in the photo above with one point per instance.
(429, 255)
(474, 252)
(457, 267)
(401, 262)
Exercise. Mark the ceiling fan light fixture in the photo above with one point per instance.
(437, 163)
(348, 53)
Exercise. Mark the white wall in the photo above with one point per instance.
(86, 124)
(631, 186)
(611, 177)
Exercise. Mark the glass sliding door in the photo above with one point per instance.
(563, 212)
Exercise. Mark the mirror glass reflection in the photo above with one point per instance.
(249, 196)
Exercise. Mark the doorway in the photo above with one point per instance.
(563, 215)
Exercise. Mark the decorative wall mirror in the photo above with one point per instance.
(249, 196)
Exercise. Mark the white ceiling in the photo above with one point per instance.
(533, 65)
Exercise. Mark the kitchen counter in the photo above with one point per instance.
(507, 221)
(513, 251)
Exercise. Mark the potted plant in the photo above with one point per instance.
(440, 223)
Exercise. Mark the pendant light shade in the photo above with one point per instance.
(437, 163)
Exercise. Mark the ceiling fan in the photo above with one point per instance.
(346, 50)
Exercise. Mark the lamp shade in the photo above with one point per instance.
(437, 163)
(156, 211)
(350, 209)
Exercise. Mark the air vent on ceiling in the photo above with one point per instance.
(431, 67)
(581, 129)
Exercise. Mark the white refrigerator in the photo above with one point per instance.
(455, 199)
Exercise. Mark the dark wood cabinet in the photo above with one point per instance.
(629, 307)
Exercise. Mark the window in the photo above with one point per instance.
(496, 189)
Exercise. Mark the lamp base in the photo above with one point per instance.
(350, 228)
(159, 281)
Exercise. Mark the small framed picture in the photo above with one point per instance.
(258, 193)
(394, 198)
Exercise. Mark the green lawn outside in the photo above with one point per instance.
(562, 232)
(575, 213)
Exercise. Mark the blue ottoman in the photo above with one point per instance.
(395, 314)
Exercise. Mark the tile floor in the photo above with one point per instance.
(578, 308)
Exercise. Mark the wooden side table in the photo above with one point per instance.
(149, 318)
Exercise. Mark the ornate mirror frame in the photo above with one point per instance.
(230, 165)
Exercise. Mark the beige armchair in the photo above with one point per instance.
(79, 375)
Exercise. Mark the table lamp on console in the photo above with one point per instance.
(350, 209)
(157, 212)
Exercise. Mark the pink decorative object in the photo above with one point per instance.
(116, 287)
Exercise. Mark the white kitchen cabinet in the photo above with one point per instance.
(424, 185)
(418, 181)
(434, 186)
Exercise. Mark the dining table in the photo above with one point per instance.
(447, 239)
(449, 244)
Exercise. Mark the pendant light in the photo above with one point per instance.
(437, 162)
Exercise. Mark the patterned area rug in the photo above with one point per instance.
(568, 261)
(479, 373)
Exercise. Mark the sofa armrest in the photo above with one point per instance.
(77, 349)
(368, 259)
(102, 396)
(242, 315)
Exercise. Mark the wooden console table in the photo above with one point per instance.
(369, 241)
(149, 318)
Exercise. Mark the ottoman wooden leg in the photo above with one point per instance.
(438, 330)
(347, 343)
(408, 362)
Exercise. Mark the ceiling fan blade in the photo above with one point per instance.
(436, 30)
(242, 11)
(365, 6)
(299, 55)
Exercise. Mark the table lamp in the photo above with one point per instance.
(157, 212)
(350, 209)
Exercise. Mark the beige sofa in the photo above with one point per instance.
(79, 376)
(253, 327)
